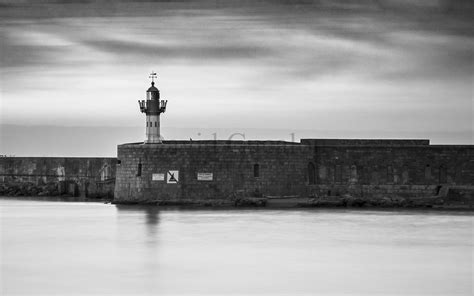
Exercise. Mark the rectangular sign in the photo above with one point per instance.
(158, 177)
(204, 176)
(172, 177)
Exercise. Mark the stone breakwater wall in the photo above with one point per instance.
(377, 171)
(311, 173)
(54, 176)
(314, 172)
(206, 170)
(392, 173)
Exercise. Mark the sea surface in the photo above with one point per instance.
(76, 248)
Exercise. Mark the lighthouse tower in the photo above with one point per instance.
(152, 107)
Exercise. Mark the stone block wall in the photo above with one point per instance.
(239, 169)
(391, 170)
(75, 176)
(365, 142)
(313, 168)
(229, 170)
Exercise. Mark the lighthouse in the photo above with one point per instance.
(152, 107)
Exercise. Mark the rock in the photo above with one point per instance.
(332, 202)
(350, 201)
(250, 202)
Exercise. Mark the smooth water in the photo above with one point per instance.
(92, 248)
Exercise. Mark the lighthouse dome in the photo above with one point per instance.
(152, 88)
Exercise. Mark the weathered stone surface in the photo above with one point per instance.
(250, 202)
(358, 172)
(281, 170)
(315, 172)
(53, 176)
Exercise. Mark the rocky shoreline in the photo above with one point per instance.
(62, 189)
(328, 202)
(66, 191)
(264, 203)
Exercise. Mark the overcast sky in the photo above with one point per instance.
(357, 66)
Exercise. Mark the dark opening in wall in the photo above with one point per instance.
(256, 170)
(119, 162)
(438, 189)
(311, 174)
(443, 174)
(427, 172)
(139, 170)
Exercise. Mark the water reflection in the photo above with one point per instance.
(138, 226)
(150, 216)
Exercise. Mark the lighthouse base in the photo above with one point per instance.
(158, 141)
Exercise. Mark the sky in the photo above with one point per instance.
(341, 68)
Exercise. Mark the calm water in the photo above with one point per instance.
(91, 248)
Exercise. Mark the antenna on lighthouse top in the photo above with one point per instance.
(153, 76)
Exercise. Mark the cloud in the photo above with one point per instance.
(258, 58)
(201, 30)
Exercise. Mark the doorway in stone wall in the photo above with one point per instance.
(443, 172)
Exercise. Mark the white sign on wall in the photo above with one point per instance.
(172, 177)
(204, 176)
(158, 177)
